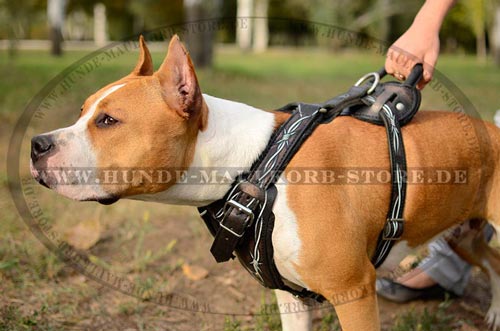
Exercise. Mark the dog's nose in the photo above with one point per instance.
(41, 145)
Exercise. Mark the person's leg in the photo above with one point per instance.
(442, 270)
(443, 266)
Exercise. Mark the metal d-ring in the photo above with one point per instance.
(375, 75)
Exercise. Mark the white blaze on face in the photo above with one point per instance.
(71, 169)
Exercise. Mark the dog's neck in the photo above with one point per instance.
(235, 136)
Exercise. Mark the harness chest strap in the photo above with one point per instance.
(239, 212)
(243, 221)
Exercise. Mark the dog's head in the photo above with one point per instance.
(145, 121)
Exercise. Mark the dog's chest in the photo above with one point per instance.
(286, 240)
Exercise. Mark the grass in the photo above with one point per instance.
(438, 320)
(148, 242)
(12, 319)
(427, 320)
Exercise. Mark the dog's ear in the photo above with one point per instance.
(144, 66)
(178, 80)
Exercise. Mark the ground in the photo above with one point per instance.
(165, 249)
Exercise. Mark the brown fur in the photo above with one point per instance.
(339, 224)
(167, 111)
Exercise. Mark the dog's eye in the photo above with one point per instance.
(108, 120)
(104, 120)
(81, 109)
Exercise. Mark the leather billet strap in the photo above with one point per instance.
(255, 251)
(242, 207)
(394, 226)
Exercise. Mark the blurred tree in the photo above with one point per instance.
(456, 34)
(200, 29)
(100, 25)
(16, 18)
(152, 14)
(228, 13)
(260, 26)
(495, 35)
(288, 25)
(383, 19)
(244, 31)
(478, 19)
(55, 14)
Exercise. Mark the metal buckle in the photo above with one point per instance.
(393, 229)
(241, 208)
(375, 75)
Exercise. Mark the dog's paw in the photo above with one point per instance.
(493, 318)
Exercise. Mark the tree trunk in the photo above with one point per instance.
(481, 51)
(56, 41)
(261, 29)
(100, 24)
(495, 40)
(244, 31)
(55, 15)
(200, 36)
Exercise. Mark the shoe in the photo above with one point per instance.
(400, 293)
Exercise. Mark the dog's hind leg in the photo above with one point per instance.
(295, 316)
(473, 247)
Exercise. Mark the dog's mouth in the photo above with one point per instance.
(42, 182)
(38, 176)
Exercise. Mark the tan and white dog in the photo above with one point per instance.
(324, 234)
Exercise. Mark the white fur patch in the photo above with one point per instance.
(234, 138)
(286, 241)
(295, 315)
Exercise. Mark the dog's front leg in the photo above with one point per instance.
(359, 314)
(295, 316)
(352, 293)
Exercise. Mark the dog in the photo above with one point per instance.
(324, 235)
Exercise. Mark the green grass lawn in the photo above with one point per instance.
(31, 274)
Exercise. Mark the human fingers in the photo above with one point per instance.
(399, 63)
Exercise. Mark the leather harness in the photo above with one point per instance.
(242, 222)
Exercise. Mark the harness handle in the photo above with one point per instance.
(414, 77)
(382, 72)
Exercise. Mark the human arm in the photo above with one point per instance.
(420, 43)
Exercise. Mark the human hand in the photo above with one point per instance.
(419, 44)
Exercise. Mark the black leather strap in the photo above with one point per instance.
(255, 251)
(243, 221)
(394, 226)
(242, 208)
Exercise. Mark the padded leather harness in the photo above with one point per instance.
(242, 222)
